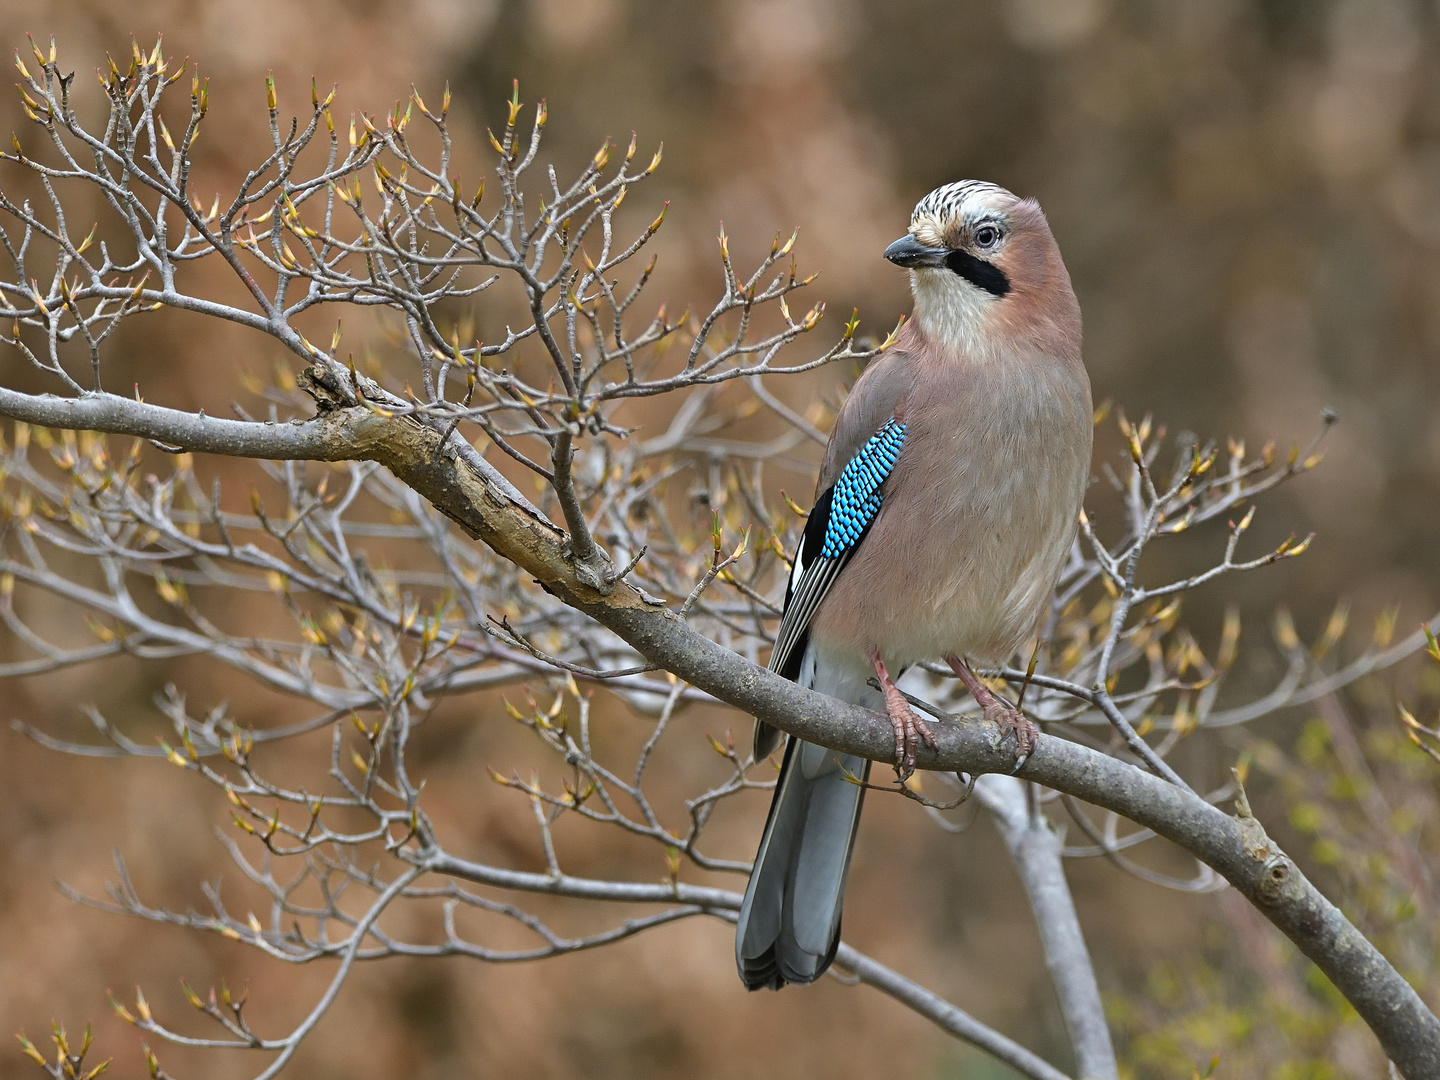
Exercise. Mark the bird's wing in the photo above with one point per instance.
(862, 450)
(837, 525)
(877, 395)
(847, 496)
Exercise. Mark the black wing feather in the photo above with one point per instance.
(802, 599)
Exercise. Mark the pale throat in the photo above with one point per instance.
(951, 312)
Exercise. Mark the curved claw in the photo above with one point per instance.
(1008, 718)
(909, 731)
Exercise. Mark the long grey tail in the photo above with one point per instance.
(789, 925)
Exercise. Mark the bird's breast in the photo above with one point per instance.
(976, 522)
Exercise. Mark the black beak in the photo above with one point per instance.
(910, 253)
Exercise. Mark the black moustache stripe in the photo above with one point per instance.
(978, 272)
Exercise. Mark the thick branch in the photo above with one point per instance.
(312, 440)
(331, 436)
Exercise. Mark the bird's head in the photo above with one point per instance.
(983, 266)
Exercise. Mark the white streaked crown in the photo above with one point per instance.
(951, 202)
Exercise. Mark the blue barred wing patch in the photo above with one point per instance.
(837, 523)
(856, 496)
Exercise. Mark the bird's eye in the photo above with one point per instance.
(987, 236)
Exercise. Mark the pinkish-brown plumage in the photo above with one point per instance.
(976, 518)
(982, 505)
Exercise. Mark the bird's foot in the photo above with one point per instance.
(999, 711)
(910, 730)
(1010, 719)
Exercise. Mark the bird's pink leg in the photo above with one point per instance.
(908, 726)
(1001, 712)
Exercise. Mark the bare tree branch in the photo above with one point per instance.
(1035, 849)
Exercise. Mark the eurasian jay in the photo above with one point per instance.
(947, 502)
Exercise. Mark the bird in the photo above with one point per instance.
(947, 502)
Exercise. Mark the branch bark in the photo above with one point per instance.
(311, 440)
(1035, 849)
(1235, 847)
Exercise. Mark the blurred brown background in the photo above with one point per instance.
(1247, 193)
